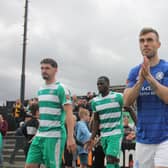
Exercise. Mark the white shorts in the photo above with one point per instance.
(151, 155)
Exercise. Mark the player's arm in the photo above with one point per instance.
(65, 100)
(131, 93)
(71, 146)
(159, 89)
(95, 125)
(94, 130)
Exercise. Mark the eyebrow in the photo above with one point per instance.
(147, 39)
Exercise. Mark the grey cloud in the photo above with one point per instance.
(87, 38)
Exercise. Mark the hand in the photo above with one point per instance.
(71, 145)
(89, 145)
(140, 76)
(146, 68)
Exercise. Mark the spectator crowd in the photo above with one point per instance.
(26, 122)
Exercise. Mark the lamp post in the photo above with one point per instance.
(22, 88)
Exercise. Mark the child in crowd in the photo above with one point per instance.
(31, 125)
(83, 135)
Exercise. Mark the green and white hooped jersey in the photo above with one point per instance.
(109, 109)
(52, 98)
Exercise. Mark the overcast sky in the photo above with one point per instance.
(88, 38)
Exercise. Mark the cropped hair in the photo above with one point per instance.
(146, 30)
(104, 78)
(50, 61)
(83, 112)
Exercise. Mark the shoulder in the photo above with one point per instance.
(135, 69)
(40, 88)
(59, 84)
(117, 94)
(63, 88)
(114, 93)
(78, 125)
(95, 99)
(163, 63)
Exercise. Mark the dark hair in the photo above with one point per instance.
(34, 108)
(146, 30)
(50, 61)
(104, 78)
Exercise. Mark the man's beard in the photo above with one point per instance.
(150, 55)
(45, 76)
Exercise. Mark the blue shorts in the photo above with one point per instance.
(83, 158)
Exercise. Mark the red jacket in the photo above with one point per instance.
(4, 127)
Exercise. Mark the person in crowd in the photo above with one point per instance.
(129, 133)
(89, 96)
(107, 110)
(54, 106)
(18, 112)
(3, 131)
(3, 125)
(83, 135)
(98, 153)
(147, 84)
(1, 148)
(30, 103)
(31, 125)
(85, 104)
(19, 143)
(74, 101)
(35, 100)
(75, 106)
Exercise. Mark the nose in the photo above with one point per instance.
(99, 85)
(145, 42)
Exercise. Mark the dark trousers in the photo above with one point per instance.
(99, 156)
(18, 145)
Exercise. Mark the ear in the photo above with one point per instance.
(159, 44)
(56, 70)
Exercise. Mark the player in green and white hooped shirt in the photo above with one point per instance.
(54, 105)
(107, 110)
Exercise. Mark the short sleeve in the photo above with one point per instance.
(93, 106)
(133, 77)
(64, 95)
(120, 99)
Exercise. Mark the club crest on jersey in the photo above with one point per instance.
(159, 75)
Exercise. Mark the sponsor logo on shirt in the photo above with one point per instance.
(145, 91)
